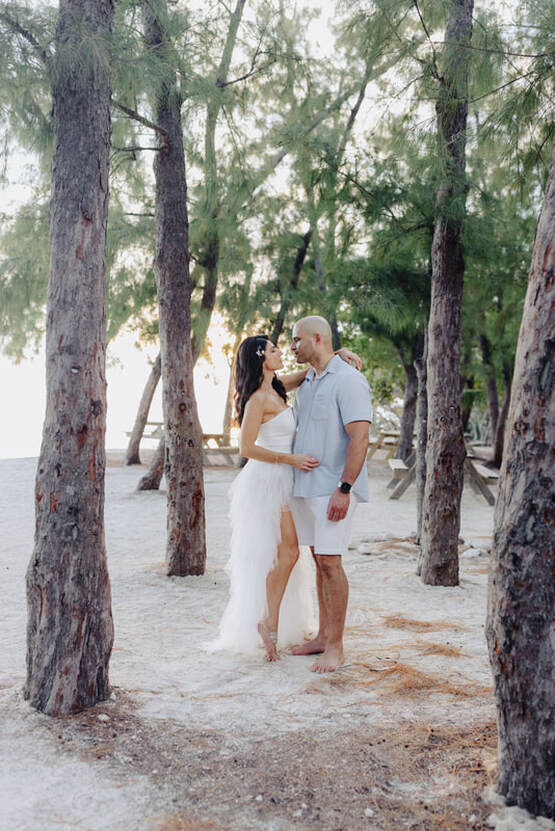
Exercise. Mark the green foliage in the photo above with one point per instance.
(279, 149)
(24, 277)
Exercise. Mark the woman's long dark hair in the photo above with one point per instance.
(249, 373)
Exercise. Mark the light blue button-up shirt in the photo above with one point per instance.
(324, 404)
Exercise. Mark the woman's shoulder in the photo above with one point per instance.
(259, 397)
(256, 400)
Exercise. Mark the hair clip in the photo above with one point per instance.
(260, 352)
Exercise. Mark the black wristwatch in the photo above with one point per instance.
(345, 487)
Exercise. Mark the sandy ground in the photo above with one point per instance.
(403, 737)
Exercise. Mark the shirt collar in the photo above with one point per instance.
(332, 366)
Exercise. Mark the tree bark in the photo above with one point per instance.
(521, 587)
(408, 417)
(152, 478)
(132, 456)
(421, 437)
(69, 625)
(499, 435)
(491, 384)
(445, 450)
(186, 543)
(466, 412)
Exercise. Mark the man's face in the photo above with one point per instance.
(301, 345)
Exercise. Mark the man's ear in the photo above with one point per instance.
(317, 337)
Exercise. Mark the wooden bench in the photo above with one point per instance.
(228, 456)
(215, 452)
(479, 478)
(403, 474)
(398, 469)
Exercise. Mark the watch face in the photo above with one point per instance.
(345, 487)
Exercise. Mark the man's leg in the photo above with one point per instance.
(317, 644)
(335, 593)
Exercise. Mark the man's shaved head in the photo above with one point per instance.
(315, 325)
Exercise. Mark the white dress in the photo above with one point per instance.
(259, 493)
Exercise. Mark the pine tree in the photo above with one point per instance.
(70, 630)
(445, 449)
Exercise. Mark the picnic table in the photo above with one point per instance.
(214, 449)
(386, 439)
(478, 476)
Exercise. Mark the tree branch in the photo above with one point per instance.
(507, 84)
(434, 61)
(248, 74)
(141, 119)
(29, 36)
(492, 51)
(133, 148)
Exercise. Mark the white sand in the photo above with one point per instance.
(158, 663)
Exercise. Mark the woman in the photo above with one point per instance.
(264, 548)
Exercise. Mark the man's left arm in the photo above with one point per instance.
(355, 458)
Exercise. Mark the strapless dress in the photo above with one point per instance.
(259, 494)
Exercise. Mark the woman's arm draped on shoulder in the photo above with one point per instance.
(293, 379)
(349, 357)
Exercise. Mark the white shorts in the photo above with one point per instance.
(310, 515)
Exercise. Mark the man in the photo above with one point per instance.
(333, 410)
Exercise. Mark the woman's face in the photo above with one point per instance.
(272, 357)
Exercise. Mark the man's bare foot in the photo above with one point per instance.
(269, 639)
(316, 645)
(331, 659)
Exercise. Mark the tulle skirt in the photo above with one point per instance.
(259, 494)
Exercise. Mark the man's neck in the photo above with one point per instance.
(320, 362)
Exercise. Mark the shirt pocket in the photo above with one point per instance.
(320, 409)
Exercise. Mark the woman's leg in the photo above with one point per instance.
(276, 582)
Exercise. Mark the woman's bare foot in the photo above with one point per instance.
(269, 639)
(331, 659)
(316, 645)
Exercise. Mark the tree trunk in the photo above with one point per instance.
(491, 384)
(289, 292)
(521, 593)
(152, 478)
(466, 412)
(228, 411)
(421, 437)
(445, 450)
(207, 303)
(335, 336)
(69, 627)
(408, 417)
(499, 435)
(132, 456)
(186, 543)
